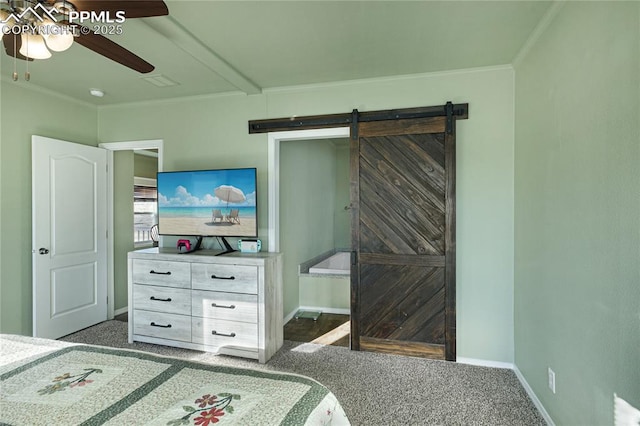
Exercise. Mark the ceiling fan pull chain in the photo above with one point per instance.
(27, 74)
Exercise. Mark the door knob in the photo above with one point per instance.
(43, 251)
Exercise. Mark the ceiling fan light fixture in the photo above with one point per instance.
(59, 42)
(33, 46)
(35, 26)
(58, 38)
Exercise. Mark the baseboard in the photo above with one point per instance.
(341, 311)
(289, 316)
(120, 311)
(533, 396)
(523, 381)
(484, 363)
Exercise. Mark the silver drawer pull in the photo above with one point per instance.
(215, 305)
(160, 300)
(215, 277)
(215, 333)
(153, 324)
(159, 273)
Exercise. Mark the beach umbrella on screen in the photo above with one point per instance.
(230, 194)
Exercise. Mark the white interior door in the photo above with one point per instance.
(69, 190)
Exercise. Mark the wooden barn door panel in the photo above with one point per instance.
(403, 264)
(402, 282)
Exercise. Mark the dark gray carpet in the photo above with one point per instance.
(375, 389)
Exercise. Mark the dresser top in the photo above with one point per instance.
(202, 256)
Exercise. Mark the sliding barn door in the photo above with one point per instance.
(403, 234)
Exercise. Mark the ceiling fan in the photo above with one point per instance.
(29, 27)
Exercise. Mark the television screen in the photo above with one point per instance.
(208, 203)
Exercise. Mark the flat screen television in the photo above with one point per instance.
(208, 203)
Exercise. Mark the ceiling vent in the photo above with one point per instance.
(160, 80)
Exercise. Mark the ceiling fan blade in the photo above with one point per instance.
(131, 8)
(8, 40)
(107, 48)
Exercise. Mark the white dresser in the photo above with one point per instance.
(230, 304)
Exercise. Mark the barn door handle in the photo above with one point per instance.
(159, 273)
(215, 277)
(43, 250)
(215, 333)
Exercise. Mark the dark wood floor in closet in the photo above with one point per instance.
(328, 329)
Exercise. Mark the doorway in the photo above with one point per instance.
(277, 140)
(145, 198)
(120, 191)
(314, 202)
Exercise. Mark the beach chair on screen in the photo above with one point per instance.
(233, 216)
(216, 214)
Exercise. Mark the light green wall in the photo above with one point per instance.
(307, 188)
(123, 171)
(27, 112)
(577, 204)
(206, 132)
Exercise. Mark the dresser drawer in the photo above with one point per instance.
(225, 306)
(162, 273)
(227, 278)
(162, 325)
(162, 299)
(219, 333)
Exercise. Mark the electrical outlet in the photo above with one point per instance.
(552, 380)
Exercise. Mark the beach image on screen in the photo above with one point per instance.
(208, 203)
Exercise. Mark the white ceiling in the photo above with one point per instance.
(214, 46)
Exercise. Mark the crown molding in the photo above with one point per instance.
(314, 86)
(41, 90)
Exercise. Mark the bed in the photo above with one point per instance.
(52, 382)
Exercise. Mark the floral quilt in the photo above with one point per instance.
(50, 382)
